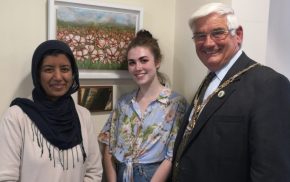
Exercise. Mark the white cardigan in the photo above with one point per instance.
(20, 155)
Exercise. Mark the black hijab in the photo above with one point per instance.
(58, 120)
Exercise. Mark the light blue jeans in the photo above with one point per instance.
(141, 172)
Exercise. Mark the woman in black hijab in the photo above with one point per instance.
(48, 137)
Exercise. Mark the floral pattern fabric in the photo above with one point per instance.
(134, 137)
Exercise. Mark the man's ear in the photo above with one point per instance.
(239, 34)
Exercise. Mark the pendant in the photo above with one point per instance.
(221, 94)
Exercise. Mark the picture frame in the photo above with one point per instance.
(98, 34)
(96, 98)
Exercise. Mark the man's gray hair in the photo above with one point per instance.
(218, 8)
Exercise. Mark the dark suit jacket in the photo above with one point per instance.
(243, 136)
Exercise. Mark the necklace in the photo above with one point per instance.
(199, 107)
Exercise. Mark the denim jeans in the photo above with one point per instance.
(141, 172)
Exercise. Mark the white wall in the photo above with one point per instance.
(24, 26)
(253, 16)
(278, 45)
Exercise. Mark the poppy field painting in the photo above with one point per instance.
(98, 34)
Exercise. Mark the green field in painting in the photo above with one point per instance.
(87, 64)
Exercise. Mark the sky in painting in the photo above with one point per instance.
(73, 14)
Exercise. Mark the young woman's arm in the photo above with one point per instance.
(162, 172)
(109, 165)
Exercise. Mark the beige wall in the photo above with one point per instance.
(24, 26)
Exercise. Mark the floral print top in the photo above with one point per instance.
(148, 138)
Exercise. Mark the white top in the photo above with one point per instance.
(21, 159)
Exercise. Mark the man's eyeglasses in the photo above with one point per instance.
(216, 35)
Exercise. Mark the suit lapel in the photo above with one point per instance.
(243, 62)
(181, 131)
(211, 107)
(216, 102)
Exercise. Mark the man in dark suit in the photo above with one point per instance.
(238, 126)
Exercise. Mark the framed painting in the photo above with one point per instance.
(97, 33)
(96, 98)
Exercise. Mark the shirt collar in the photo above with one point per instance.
(222, 72)
(162, 98)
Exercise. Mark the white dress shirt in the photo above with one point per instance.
(220, 74)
